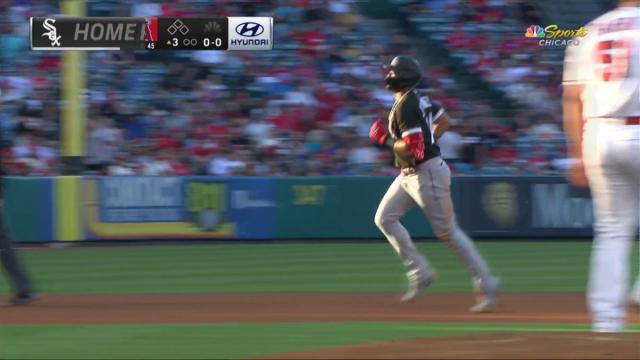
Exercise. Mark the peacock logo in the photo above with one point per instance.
(535, 31)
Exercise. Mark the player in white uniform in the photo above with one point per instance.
(601, 104)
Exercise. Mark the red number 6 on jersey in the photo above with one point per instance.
(612, 59)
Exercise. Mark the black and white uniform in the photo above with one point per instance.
(411, 114)
(429, 188)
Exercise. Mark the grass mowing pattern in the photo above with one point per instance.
(230, 340)
(367, 266)
(525, 266)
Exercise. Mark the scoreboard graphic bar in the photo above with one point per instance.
(73, 33)
(151, 33)
(192, 33)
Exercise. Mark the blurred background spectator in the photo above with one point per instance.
(303, 109)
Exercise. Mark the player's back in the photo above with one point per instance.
(610, 64)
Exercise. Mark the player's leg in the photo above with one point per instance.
(615, 192)
(431, 190)
(14, 268)
(634, 296)
(609, 270)
(395, 203)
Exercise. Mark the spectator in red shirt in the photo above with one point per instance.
(179, 165)
(312, 41)
(457, 40)
(169, 141)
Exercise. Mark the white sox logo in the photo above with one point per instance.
(53, 32)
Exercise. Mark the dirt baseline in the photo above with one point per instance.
(336, 307)
(293, 307)
(521, 345)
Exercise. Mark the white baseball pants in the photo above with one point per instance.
(611, 153)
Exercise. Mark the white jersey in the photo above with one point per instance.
(607, 63)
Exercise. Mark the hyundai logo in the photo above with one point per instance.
(249, 29)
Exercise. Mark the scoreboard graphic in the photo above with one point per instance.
(151, 33)
(187, 33)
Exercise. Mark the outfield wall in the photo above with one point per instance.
(68, 208)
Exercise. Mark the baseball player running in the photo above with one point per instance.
(414, 125)
(601, 104)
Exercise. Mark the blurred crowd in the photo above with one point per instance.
(488, 35)
(303, 109)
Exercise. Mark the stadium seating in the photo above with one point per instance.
(297, 110)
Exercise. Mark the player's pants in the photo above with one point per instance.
(429, 188)
(11, 262)
(611, 152)
(635, 292)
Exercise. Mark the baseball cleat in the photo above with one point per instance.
(22, 299)
(607, 328)
(418, 286)
(486, 294)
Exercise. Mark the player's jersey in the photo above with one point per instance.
(410, 114)
(607, 63)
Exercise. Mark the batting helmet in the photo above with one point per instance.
(407, 70)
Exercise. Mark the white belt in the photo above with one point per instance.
(632, 120)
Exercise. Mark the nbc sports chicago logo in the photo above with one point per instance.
(553, 35)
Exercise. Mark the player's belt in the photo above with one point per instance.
(631, 120)
(412, 170)
(634, 120)
(408, 171)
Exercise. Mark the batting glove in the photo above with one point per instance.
(378, 132)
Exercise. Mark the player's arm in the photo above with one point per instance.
(441, 121)
(573, 120)
(410, 123)
(573, 127)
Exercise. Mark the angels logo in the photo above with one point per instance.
(52, 31)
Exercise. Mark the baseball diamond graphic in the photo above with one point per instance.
(178, 26)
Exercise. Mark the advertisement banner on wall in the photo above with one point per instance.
(492, 206)
(337, 208)
(179, 208)
(524, 206)
(558, 208)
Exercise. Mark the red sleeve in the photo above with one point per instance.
(415, 142)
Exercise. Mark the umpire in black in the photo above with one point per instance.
(11, 263)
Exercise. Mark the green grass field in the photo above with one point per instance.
(207, 341)
(368, 266)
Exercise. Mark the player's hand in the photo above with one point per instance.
(577, 175)
(378, 132)
(401, 149)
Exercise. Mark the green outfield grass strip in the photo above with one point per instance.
(238, 267)
(225, 340)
